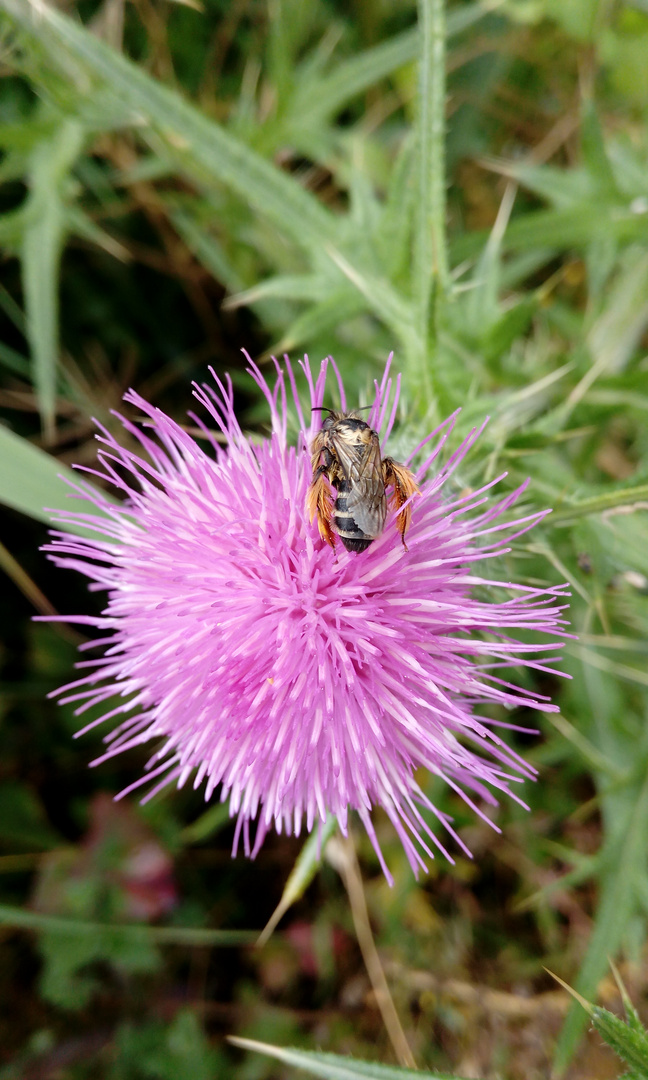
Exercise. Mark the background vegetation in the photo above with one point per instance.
(178, 181)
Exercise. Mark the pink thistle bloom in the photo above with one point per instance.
(299, 680)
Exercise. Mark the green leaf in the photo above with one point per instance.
(481, 304)
(321, 318)
(511, 326)
(429, 251)
(563, 188)
(575, 226)
(81, 225)
(387, 305)
(14, 313)
(632, 1016)
(335, 1066)
(32, 480)
(319, 99)
(568, 514)
(281, 287)
(301, 875)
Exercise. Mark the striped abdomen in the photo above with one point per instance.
(353, 538)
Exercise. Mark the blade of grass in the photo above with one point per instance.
(595, 155)
(14, 362)
(23, 919)
(43, 239)
(612, 667)
(482, 301)
(15, 314)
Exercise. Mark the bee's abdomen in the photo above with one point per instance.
(353, 538)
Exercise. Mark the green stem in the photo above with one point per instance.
(430, 254)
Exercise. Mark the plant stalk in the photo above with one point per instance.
(430, 244)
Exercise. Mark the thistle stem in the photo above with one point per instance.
(430, 247)
(341, 854)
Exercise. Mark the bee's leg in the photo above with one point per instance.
(404, 484)
(321, 456)
(319, 501)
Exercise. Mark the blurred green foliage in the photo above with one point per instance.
(178, 181)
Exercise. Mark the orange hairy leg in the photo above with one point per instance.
(404, 485)
(319, 503)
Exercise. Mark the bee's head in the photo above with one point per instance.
(330, 420)
(334, 417)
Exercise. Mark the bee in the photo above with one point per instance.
(346, 455)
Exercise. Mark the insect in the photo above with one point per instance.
(346, 455)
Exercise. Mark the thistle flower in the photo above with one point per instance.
(298, 680)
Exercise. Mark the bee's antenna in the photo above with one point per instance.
(324, 408)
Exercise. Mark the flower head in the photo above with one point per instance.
(299, 680)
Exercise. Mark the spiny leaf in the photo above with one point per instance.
(335, 1066)
(320, 98)
(322, 317)
(628, 1042)
(620, 326)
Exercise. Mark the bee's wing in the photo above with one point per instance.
(366, 501)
